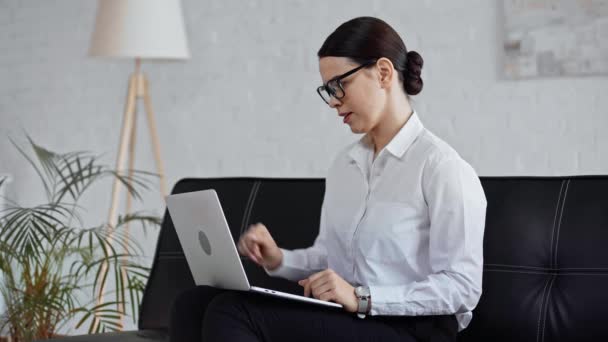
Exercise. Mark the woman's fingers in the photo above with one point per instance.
(257, 252)
(317, 284)
(239, 246)
(254, 257)
(246, 245)
(255, 243)
(243, 247)
(306, 284)
(253, 249)
(320, 289)
(251, 242)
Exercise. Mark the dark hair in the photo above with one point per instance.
(366, 38)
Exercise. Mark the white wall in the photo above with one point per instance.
(245, 104)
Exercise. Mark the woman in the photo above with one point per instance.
(400, 240)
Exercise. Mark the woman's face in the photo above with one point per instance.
(363, 97)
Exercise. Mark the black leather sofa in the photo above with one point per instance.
(545, 254)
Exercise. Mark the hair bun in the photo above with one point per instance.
(414, 63)
(413, 69)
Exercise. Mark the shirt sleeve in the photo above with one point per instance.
(457, 210)
(299, 264)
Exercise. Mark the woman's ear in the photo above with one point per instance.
(386, 72)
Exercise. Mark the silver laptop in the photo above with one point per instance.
(205, 237)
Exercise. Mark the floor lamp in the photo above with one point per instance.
(140, 30)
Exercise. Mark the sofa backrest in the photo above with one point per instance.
(545, 256)
(545, 260)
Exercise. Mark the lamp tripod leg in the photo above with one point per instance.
(155, 140)
(126, 131)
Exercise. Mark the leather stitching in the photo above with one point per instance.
(522, 266)
(540, 311)
(559, 197)
(244, 220)
(547, 306)
(584, 268)
(550, 269)
(561, 214)
(248, 208)
(549, 273)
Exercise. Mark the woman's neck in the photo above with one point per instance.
(394, 118)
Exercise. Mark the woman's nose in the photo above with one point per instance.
(334, 102)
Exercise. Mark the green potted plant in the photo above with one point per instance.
(49, 259)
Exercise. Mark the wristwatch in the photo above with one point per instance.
(365, 300)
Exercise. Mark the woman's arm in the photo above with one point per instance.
(457, 208)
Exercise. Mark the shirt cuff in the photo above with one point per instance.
(282, 270)
(386, 301)
(294, 266)
(391, 301)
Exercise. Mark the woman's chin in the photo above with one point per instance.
(356, 129)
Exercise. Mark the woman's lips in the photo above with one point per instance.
(346, 117)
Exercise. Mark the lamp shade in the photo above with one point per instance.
(146, 29)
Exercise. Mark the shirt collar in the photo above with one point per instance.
(397, 146)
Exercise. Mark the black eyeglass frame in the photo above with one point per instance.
(338, 80)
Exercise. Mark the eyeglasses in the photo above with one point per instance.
(334, 86)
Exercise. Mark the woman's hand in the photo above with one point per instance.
(329, 286)
(259, 246)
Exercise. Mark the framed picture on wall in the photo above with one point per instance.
(553, 38)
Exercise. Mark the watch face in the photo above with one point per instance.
(362, 291)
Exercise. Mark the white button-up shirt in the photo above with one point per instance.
(409, 224)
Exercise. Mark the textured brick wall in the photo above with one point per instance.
(245, 104)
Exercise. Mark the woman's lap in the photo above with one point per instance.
(187, 312)
(237, 315)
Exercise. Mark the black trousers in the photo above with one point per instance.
(209, 314)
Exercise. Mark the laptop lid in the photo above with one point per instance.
(205, 237)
